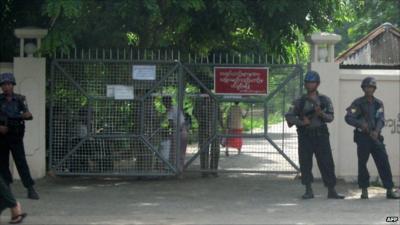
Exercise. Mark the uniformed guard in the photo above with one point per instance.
(14, 107)
(310, 113)
(366, 114)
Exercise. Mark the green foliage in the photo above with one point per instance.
(362, 16)
(202, 26)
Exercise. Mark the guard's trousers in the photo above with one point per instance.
(366, 146)
(318, 144)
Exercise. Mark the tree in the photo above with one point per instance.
(203, 26)
(363, 17)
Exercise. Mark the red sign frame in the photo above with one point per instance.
(241, 80)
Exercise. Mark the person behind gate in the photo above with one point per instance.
(366, 114)
(203, 110)
(172, 115)
(15, 111)
(310, 113)
(235, 127)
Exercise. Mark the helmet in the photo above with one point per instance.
(312, 76)
(368, 81)
(7, 77)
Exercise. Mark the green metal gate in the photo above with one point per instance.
(92, 132)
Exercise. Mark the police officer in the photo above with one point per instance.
(310, 113)
(366, 114)
(14, 107)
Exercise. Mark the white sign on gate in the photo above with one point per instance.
(144, 72)
(120, 92)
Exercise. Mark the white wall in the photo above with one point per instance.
(388, 82)
(30, 78)
(343, 86)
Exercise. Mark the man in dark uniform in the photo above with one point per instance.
(14, 107)
(204, 112)
(366, 114)
(310, 113)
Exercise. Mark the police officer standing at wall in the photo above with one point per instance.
(14, 107)
(310, 113)
(366, 114)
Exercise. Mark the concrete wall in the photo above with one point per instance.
(343, 86)
(388, 82)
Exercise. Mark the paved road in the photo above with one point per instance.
(228, 199)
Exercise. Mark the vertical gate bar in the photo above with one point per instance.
(181, 92)
(251, 117)
(51, 117)
(97, 53)
(124, 53)
(89, 54)
(104, 54)
(117, 53)
(283, 118)
(131, 53)
(266, 117)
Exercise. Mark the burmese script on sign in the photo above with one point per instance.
(241, 80)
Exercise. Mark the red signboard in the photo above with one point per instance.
(241, 80)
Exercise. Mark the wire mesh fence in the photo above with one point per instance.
(103, 121)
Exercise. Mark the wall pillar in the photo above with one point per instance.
(30, 75)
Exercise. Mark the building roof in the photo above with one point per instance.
(380, 49)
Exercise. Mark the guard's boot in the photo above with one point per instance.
(390, 194)
(364, 193)
(309, 193)
(332, 194)
(32, 194)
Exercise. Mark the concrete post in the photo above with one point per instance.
(323, 62)
(30, 75)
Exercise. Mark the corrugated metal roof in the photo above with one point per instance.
(380, 47)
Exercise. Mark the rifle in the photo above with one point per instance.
(309, 114)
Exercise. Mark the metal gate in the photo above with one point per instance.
(93, 130)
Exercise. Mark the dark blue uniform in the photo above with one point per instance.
(13, 140)
(313, 138)
(371, 113)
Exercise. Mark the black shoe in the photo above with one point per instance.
(32, 194)
(309, 193)
(364, 193)
(307, 196)
(392, 195)
(332, 194)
